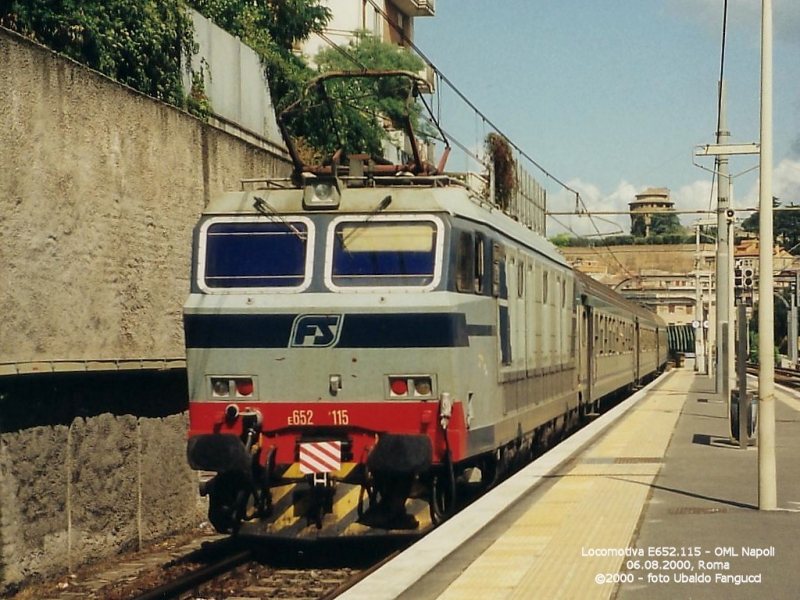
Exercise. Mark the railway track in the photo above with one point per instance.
(254, 573)
(194, 579)
(784, 376)
(221, 568)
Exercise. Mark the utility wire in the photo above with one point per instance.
(486, 120)
(722, 66)
(714, 177)
(483, 117)
(342, 51)
(466, 100)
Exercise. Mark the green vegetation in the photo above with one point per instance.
(665, 228)
(270, 28)
(146, 43)
(785, 224)
(666, 224)
(505, 177)
(566, 240)
(361, 110)
(138, 43)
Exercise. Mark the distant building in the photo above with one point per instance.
(362, 15)
(746, 254)
(649, 202)
(391, 21)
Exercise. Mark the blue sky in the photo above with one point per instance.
(612, 97)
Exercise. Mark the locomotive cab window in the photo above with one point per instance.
(384, 251)
(254, 254)
(465, 260)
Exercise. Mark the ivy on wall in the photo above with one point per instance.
(146, 43)
(137, 42)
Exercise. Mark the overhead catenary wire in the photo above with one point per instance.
(342, 51)
(486, 121)
(466, 100)
(723, 44)
(483, 119)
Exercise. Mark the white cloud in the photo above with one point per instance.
(785, 185)
(786, 181)
(594, 201)
(697, 196)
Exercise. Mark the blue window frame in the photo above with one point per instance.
(386, 253)
(256, 254)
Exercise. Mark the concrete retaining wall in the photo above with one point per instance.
(100, 188)
(71, 495)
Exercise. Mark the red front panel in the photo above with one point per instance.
(284, 423)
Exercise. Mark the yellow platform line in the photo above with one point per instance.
(595, 505)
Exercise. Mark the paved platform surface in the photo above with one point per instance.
(704, 504)
(662, 505)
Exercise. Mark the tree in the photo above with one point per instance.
(364, 110)
(785, 224)
(271, 28)
(140, 44)
(665, 223)
(146, 44)
(779, 325)
(561, 240)
(639, 227)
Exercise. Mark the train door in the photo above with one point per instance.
(589, 329)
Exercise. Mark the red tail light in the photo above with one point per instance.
(244, 387)
(398, 386)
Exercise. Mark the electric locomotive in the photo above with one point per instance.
(364, 340)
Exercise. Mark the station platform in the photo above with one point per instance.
(653, 500)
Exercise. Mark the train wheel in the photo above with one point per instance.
(367, 489)
(443, 493)
(227, 503)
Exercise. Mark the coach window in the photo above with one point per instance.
(499, 285)
(585, 328)
(545, 291)
(556, 295)
(597, 333)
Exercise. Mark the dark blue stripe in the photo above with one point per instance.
(480, 330)
(237, 331)
(393, 330)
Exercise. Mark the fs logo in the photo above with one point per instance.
(315, 331)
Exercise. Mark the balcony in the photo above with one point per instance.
(416, 8)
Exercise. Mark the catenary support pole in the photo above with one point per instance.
(724, 361)
(767, 486)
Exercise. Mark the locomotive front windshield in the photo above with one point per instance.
(255, 254)
(384, 253)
